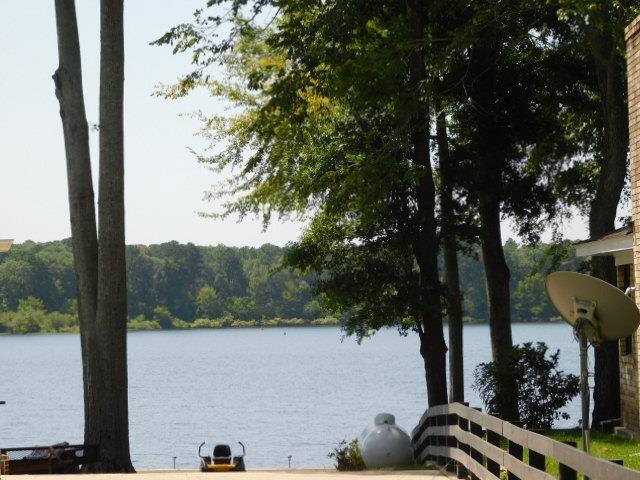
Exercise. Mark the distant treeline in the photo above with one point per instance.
(172, 285)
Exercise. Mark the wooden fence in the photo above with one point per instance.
(471, 443)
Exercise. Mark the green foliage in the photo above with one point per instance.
(186, 281)
(543, 389)
(141, 323)
(162, 316)
(326, 321)
(31, 317)
(273, 297)
(347, 456)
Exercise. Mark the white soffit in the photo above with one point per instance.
(606, 246)
(5, 245)
(624, 257)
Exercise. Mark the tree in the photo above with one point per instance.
(208, 302)
(336, 121)
(99, 261)
(594, 33)
(450, 253)
(500, 118)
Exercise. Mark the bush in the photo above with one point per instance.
(326, 321)
(543, 389)
(244, 324)
(179, 324)
(272, 322)
(163, 316)
(347, 456)
(292, 322)
(140, 322)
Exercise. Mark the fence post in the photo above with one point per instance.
(515, 450)
(450, 441)
(494, 438)
(463, 423)
(439, 423)
(568, 473)
(476, 430)
(537, 460)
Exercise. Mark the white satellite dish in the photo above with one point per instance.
(617, 316)
(597, 311)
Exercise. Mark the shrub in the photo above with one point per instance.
(163, 316)
(179, 323)
(543, 389)
(244, 324)
(292, 322)
(272, 322)
(326, 321)
(140, 322)
(347, 456)
(206, 323)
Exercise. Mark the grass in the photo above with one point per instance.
(603, 445)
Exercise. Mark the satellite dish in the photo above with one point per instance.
(608, 312)
(597, 311)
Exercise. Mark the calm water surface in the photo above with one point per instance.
(281, 391)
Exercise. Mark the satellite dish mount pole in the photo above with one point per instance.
(584, 390)
(586, 328)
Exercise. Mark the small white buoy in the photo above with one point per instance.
(384, 444)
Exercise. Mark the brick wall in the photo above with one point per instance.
(628, 364)
(629, 386)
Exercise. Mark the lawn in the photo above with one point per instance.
(602, 445)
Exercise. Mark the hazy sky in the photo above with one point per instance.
(164, 183)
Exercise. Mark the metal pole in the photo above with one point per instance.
(584, 390)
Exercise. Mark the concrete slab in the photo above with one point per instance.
(252, 474)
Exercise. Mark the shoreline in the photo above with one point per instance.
(253, 326)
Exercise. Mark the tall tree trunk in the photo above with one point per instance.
(610, 72)
(497, 277)
(425, 246)
(68, 83)
(99, 263)
(112, 429)
(491, 159)
(452, 278)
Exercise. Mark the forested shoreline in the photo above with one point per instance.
(173, 285)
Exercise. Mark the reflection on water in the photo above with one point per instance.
(295, 391)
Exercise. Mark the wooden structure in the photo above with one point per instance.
(5, 245)
(62, 458)
(477, 445)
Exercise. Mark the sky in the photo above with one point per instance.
(164, 184)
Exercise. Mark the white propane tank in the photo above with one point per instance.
(384, 444)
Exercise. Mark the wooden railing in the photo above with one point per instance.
(470, 443)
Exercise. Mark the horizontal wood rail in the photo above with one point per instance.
(470, 442)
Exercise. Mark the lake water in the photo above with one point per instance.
(282, 392)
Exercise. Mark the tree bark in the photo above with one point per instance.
(610, 73)
(425, 245)
(99, 263)
(497, 277)
(68, 83)
(111, 431)
(452, 277)
(491, 157)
